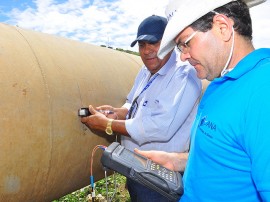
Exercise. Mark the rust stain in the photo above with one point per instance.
(24, 91)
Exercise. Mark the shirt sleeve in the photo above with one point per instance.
(161, 120)
(257, 140)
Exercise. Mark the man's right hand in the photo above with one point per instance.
(172, 161)
(108, 111)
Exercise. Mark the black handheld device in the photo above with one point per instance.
(143, 170)
(84, 112)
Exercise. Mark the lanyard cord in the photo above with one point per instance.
(135, 100)
(148, 84)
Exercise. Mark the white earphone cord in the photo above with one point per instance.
(225, 70)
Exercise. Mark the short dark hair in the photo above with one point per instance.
(236, 10)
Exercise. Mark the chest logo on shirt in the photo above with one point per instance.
(145, 103)
(209, 124)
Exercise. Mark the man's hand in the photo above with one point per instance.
(96, 121)
(99, 120)
(172, 161)
(108, 111)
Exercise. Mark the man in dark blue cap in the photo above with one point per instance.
(151, 29)
(150, 32)
(160, 107)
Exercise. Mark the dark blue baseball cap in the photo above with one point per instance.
(151, 29)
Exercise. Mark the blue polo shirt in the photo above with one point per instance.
(230, 147)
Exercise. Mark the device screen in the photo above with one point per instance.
(134, 158)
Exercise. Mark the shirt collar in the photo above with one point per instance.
(248, 63)
(168, 65)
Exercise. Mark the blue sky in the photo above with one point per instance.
(107, 22)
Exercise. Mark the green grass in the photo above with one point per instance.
(120, 193)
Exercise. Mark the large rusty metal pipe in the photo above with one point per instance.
(44, 148)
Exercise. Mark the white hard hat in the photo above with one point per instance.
(182, 13)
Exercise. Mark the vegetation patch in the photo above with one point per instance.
(116, 191)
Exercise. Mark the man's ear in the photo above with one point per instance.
(223, 26)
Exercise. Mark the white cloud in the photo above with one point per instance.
(97, 22)
(109, 22)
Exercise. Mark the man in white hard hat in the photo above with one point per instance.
(229, 159)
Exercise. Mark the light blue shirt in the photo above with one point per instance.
(166, 109)
(229, 158)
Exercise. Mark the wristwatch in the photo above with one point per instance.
(108, 129)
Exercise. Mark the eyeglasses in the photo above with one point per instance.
(183, 47)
